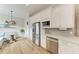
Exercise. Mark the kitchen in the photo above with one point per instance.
(58, 28)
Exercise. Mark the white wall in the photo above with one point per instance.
(27, 27)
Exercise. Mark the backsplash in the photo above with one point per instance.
(59, 32)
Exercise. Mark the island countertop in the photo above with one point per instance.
(72, 39)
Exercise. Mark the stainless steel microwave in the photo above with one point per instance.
(46, 23)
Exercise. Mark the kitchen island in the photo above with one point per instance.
(66, 44)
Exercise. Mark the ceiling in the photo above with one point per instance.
(34, 8)
(21, 10)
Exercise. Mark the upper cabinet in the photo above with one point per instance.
(63, 16)
(46, 14)
(60, 16)
(46, 17)
(35, 18)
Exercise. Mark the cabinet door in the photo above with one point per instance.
(67, 16)
(67, 47)
(35, 18)
(46, 14)
(56, 17)
(63, 16)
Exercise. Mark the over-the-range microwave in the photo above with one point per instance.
(46, 23)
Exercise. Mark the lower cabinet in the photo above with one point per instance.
(67, 47)
(52, 45)
(56, 46)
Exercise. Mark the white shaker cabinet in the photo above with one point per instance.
(67, 47)
(63, 16)
(35, 18)
(56, 15)
(46, 14)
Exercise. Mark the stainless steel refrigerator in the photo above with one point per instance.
(36, 33)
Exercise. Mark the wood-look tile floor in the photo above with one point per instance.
(23, 46)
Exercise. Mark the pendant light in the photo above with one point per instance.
(12, 22)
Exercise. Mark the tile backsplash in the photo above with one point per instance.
(59, 32)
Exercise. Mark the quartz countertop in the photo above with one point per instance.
(72, 39)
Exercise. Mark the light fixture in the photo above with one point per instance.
(11, 22)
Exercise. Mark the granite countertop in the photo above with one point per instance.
(72, 39)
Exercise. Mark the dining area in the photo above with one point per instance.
(7, 35)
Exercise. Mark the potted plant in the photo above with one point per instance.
(22, 31)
